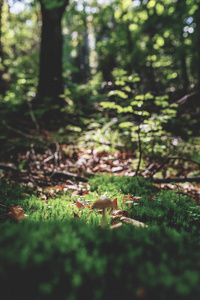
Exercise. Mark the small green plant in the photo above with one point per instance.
(141, 118)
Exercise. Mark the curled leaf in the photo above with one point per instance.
(79, 204)
(16, 212)
(120, 213)
(115, 203)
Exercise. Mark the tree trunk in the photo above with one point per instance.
(50, 76)
(3, 82)
(198, 43)
(184, 73)
(1, 50)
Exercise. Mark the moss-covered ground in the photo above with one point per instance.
(59, 251)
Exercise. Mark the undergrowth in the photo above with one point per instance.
(51, 255)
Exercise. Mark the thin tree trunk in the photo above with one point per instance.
(198, 43)
(140, 150)
(3, 82)
(184, 73)
(50, 76)
(1, 50)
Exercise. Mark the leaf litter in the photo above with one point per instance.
(51, 172)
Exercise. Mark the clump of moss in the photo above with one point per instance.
(66, 260)
(126, 185)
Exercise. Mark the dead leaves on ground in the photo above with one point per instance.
(39, 167)
(16, 212)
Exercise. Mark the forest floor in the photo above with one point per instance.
(40, 162)
(53, 246)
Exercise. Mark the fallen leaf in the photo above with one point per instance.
(76, 216)
(79, 204)
(141, 293)
(115, 203)
(120, 213)
(16, 212)
(152, 196)
(85, 192)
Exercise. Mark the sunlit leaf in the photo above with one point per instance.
(115, 203)
(16, 212)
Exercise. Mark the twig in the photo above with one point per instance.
(4, 215)
(140, 150)
(33, 116)
(56, 155)
(66, 175)
(7, 167)
(4, 206)
(102, 143)
(173, 158)
(185, 98)
(47, 159)
(176, 179)
(37, 164)
(28, 136)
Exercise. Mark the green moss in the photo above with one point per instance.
(65, 256)
(51, 255)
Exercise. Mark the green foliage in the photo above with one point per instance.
(108, 42)
(53, 4)
(21, 55)
(51, 255)
(139, 112)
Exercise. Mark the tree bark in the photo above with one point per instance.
(198, 43)
(3, 84)
(50, 76)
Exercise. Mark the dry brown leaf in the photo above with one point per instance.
(120, 213)
(16, 212)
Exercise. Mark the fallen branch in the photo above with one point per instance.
(185, 98)
(140, 150)
(174, 158)
(133, 222)
(176, 179)
(7, 167)
(33, 116)
(66, 175)
(28, 136)
(102, 143)
(55, 174)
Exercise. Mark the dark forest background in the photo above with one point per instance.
(107, 74)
